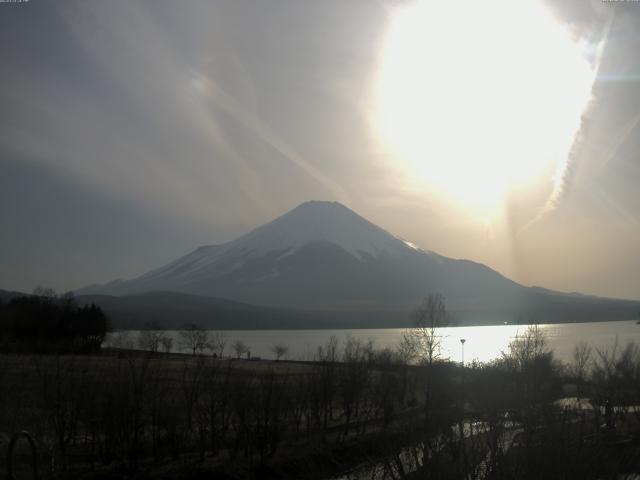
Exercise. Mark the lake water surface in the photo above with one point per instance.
(482, 343)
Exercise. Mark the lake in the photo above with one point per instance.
(482, 343)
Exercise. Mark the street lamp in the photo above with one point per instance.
(462, 340)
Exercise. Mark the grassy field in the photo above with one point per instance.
(125, 413)
(353, 411)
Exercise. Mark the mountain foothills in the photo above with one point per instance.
(323, 265)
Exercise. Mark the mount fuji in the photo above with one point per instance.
(323, 257)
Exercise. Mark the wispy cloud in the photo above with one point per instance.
(564, 171)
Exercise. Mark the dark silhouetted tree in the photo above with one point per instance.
(194, 338)
(279, 350)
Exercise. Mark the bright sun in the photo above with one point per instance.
(479, 99)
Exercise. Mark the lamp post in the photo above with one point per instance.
(462, 340)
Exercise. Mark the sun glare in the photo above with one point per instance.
(478, 99)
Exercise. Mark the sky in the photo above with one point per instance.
(133, 132)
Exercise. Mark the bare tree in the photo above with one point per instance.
(326, 381)
(150, 339)
(531, 361)
(167, 344)
(120, 340)
(614, 378)
(61, 388)
(354, 378)
(45, 292)
(423, 341)
(191, 384)
(406, 350)
(527, 348)
(279, 350)
(217, 344)
(328, 353)
(581, 358)
(194, 338)
(239, 348)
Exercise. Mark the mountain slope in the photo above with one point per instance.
(321, 256)
(7, 295)
(172, 310)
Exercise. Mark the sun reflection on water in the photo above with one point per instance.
(483, 343)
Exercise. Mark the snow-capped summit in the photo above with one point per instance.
(320, 254)
(310, 226)
(318, 221)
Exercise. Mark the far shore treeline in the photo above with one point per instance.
(46, 322)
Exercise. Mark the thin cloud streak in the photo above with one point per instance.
(563, 174)
(252, 123)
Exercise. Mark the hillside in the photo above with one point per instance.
(323, 259)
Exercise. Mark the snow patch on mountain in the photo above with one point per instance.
(317, 221)
(311, 223)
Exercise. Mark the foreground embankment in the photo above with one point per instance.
(353, 409)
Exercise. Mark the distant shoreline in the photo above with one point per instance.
(375, 327)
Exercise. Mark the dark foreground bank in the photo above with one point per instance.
(134, 414)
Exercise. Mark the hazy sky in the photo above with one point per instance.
(133, 132)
